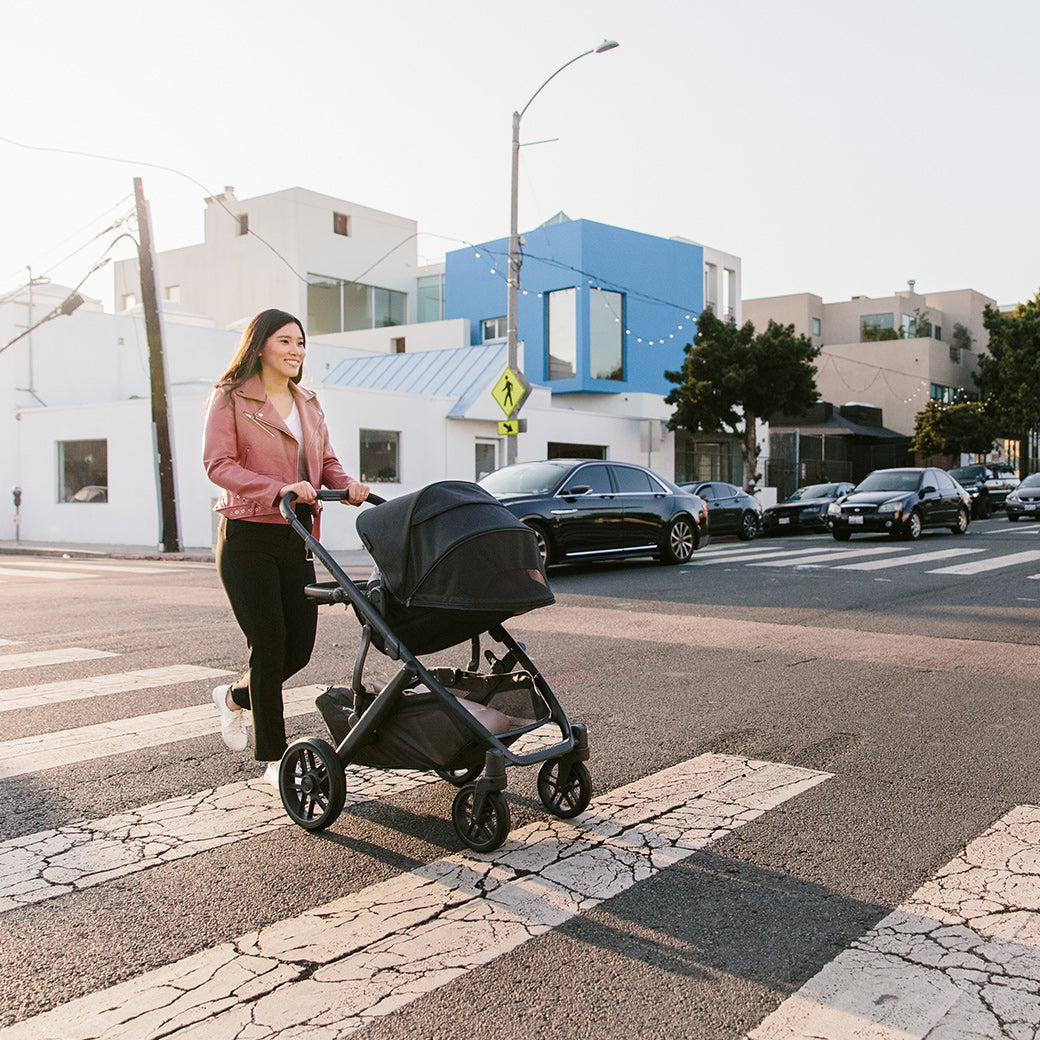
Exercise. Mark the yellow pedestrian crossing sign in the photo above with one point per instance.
(510, 391)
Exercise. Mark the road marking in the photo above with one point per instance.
(992, 564)
(904, 561)
(739, 555)
(87, 567)
(337, 968)
(40, 658)
(960, 958)
(806, 641)
(25, 572)
(41, 866)
(104, 685)
(830, 557)
(124, 736)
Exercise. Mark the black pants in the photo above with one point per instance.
(264, 568)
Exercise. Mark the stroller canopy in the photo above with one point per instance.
(452, 545)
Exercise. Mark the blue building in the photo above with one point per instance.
(601, 309)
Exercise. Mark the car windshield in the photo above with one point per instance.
(891, 480)
(527, 478)
(1033, 480)
(813, 491)
(968, 472)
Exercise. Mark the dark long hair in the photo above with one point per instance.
(246, 361)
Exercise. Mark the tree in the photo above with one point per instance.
(730, 378)
(1009, 374)
(954, 429)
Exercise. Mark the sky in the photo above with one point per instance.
(839, 148)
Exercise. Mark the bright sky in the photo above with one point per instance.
(837, 147)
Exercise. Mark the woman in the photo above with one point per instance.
(265, 436)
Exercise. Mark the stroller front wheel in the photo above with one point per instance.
(565, 789)
(460, 777)
(491, 829)
(312, 784)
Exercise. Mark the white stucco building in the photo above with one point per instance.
(407, 399)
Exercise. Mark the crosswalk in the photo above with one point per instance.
(961, 956)
(35, 570)
(871, 557)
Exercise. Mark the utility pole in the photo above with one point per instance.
(170, 539)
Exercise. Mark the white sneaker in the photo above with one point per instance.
(232, 723)
(271, 773)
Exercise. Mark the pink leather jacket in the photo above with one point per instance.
(249, 452)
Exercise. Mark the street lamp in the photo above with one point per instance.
(514, 238)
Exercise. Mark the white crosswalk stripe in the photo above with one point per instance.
(997, 563)
(339, 967)
(960, 958)
(43, 658)
(104, 685)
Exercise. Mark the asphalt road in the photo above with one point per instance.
(857, 715)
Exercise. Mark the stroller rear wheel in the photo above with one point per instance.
(565, 789)
(490, 830)
(312, 784)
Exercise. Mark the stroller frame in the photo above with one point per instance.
(311, 774)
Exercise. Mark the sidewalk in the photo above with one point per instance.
(347, 558)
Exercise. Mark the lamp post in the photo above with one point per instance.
(513, 281)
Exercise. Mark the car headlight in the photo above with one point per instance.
(894, 506)
(834, 509)
(1013, 498)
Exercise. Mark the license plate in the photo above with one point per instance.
(855, 519)
(1029, 505)
(787, 519)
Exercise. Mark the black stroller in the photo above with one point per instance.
(452, 564)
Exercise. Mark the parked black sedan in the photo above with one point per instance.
(901, 502)
(731, 510)
(988, 486)
(586, 509)
(1024, 501)
(805, 510)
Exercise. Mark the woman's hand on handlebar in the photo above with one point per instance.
(303, 490)
(356, 494)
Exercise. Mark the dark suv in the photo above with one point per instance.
(988, 484)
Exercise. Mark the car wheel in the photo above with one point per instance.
(962, 522)
(680, 541)
(541, 536)
(913, 526)
(841, 536)
(748, 526)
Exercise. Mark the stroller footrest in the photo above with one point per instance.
(326, 592)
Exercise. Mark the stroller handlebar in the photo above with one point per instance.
(324, 495)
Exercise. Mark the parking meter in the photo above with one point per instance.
(17, 493)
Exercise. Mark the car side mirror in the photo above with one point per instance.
(578, 489)
(929, 490)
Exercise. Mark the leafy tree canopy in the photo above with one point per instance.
(955, 429)
(730, 378)
(1009, 374)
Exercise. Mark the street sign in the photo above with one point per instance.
(510, 391)
(511, 427)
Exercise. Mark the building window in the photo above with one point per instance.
(172, 293)
(398, 344)
(937, 331)
(129, 300)
(562, 340)
(82, 471)
(606, 334)
(378, 456)
(877, 326)
(243, 223)
(429, 297)
(337, 306)
(817, 327)
(493, 328)
(341, 224)
(560, 450)
(485, 458)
